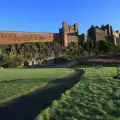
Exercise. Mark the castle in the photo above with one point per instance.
(67, 34)
(104, 33)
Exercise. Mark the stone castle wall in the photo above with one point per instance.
(65, 35)
(100, 35)
(21, 37)
(72, 38)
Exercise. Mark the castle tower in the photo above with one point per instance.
(76, 28)
(65, 27)
(68, 33)
(109, 29)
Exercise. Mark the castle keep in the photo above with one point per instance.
(67, 34)
(104, 33)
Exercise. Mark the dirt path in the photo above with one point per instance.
(29, 106)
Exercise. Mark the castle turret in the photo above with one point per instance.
(76, 27)
(109, 29)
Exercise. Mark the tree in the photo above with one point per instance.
(12, 61)
(102, 46)
(88, 46)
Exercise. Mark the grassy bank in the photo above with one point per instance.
(95, 97)
(17, 82)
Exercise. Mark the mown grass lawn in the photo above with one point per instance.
(95, 97)
(17, 82)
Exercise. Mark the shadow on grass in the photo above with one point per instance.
(29, 106)
(26, 81)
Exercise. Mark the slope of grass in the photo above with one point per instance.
(17, 82)
(95, 97)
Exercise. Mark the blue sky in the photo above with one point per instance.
(47, 15)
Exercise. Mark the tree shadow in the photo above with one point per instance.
(29, 106)
(23, 81)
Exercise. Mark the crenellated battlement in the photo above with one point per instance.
(69, 29)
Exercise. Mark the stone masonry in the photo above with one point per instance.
(104, 33)
(67, 33)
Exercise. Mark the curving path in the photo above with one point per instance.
(29, 106)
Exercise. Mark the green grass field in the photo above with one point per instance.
(18, 82)
(95, 97)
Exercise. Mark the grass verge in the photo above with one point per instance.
(17, 82)
(95, 97)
